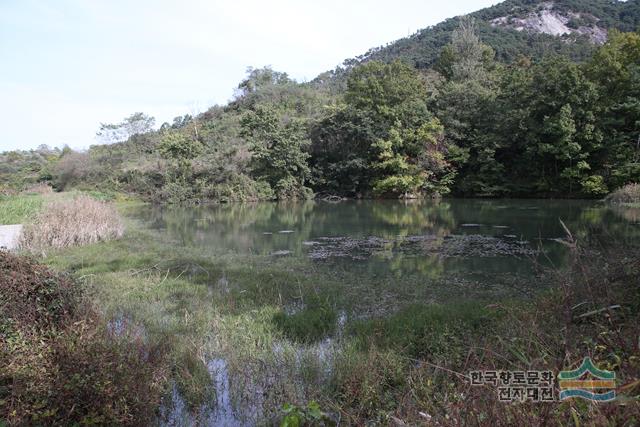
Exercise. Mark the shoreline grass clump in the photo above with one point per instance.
(16, 209)
(431, 330)
(629, 194)
(308, 325)
(59, 362)
(79, 221)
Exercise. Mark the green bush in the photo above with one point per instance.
(62, 365)
(310, 415)
(594, 186)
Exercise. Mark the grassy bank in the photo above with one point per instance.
(18, 209)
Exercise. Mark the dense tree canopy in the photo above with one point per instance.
(278, 152)
(382, 139)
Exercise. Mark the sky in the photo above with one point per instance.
(68, 65)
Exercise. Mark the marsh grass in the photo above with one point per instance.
(393, 364)
(433, 331)
(73, 222)
(316, 321)
(407, 375)
(205, 308)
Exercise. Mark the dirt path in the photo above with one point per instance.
(9, 236)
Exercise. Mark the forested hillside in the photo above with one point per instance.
(501, 28)
(479, 106)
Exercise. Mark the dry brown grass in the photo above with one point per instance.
(79, 221)
(39, 188)
(630, 193)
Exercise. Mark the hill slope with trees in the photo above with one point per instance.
(501, 28)
(469, 114)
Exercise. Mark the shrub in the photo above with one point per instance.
(239, 187)
(60, 364)
(594, 186)
(177, 191)
(32, 296)
(630, 193)
(64, 223)
(311, 415)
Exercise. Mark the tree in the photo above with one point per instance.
(396, 174)
(389, 92)
(340, 150)
(546, 129)
(382, 139)
(278, 152)
(464, 104)
(179, 147)
(135, 124)
(257, 80)
(615, 69)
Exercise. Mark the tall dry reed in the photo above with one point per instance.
(79, 221)
(630, 193)
(39, 188)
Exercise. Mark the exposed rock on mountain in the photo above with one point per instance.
(548, 20)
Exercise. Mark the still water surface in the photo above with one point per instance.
(487, 241)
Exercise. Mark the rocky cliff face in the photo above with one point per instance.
(548, 20)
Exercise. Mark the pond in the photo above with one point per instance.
(486, 241)
(277, 274)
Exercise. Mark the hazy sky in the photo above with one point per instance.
(67, 65)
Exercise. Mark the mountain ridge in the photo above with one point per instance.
(585, 24)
